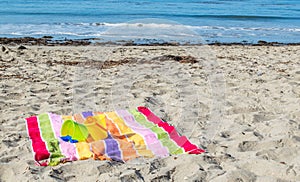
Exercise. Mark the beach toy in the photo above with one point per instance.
(96, 126)
(73, 132)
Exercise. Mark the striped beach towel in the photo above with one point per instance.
(119, 135)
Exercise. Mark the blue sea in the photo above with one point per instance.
(213, 20)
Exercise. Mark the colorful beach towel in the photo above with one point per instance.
(119, 135)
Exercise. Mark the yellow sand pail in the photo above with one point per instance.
(74, 131)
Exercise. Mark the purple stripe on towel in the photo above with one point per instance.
(112, 148)
(87, 114)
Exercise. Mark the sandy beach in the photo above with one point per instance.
(240, 103)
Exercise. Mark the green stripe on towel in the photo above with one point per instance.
(49, 137)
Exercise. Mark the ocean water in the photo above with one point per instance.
(212, 20)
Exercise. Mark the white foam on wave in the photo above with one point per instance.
(161, 25)
(136, 30)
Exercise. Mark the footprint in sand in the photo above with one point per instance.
(241, 176)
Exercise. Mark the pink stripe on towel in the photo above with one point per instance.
(38, 145)
(68, 149)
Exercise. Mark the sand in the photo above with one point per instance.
(240, 103)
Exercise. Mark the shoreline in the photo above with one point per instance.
(48, 41)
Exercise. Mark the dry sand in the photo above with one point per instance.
(240, 103)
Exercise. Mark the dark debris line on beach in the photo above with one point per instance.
(48, 41)
(111, 63)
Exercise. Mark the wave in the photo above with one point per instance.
(160, 25)
(98, 27)
(175, 25)
(160, 30)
